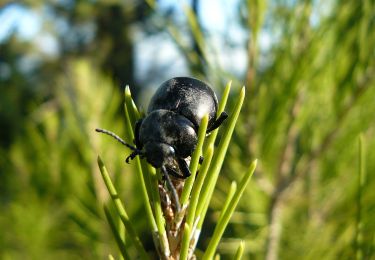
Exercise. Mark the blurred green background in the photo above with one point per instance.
(309, 72)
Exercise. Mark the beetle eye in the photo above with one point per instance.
(171, 150)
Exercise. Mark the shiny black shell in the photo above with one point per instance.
(188, 97)
(168, 127)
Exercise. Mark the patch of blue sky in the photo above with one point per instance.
(24, 22)
(219, 19)
(27, 25)
(225, 38)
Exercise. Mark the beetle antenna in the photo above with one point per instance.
(99, 130)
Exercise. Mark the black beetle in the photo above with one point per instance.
(168, 134)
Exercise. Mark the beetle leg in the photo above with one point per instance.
(136, 134)
(184, 168)
(174, 173)
(137, 143)
(171, 188)
(201, 159)
(218, 121)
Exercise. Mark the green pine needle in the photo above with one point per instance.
(239, 251)
(222, 224)
(121, 210)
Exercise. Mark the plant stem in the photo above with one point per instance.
(121, 210)
(194, 161)
(361, 184)
(239, 251)
(220, 226)
(120, 242)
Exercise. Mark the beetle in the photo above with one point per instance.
(168, 135)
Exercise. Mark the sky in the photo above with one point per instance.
(215, 23)
(28, 26)
(16, 18)
(221, 19)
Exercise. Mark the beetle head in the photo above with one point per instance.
(159, 154)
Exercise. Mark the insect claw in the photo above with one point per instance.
(133, 155)
(127, 159)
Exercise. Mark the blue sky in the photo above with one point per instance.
(220, 19)
(16, 18)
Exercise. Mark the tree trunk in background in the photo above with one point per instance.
(114, 45)
(200, 65)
